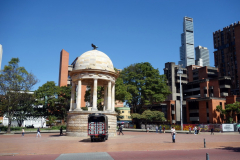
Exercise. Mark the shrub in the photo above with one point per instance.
(58, 127)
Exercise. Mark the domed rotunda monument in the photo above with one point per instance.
(93, 68)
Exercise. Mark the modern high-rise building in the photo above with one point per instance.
(227, 54)
(187, 56)
(1, 51)
(202, 56)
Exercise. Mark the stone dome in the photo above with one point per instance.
(94, 59)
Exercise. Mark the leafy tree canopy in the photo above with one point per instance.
(15, 84)
(229, 111)
(54, 99)
(140, 84)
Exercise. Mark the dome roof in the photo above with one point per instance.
(94, 59)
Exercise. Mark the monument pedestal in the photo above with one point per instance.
(77, 123)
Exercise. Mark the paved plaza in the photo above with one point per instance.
(131, 145)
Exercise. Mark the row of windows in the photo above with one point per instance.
(127, 117)
(126, 112)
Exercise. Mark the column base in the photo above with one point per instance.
(77, 109)
(94, 109)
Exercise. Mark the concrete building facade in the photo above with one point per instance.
(227, 54)
(203, 90)
(173, 81)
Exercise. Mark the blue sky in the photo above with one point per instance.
(128, 31)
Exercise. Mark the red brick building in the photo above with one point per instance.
(64, 70)
(227, 54)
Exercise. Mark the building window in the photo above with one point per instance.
(122, 111)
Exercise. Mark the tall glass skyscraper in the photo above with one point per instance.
(187, 56)
(202, 56)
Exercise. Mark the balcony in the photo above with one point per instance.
(224, 94)
(194, 118)
(192, 89)
(182, 81)
(192, 96)
(225, 86)
(194, 111)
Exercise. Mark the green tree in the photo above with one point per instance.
(25, 108)
(100, 96)
(54, 99)
(15, 83)
(64, 96)
(50, 120)
(148, 116)
(143, 84)
(121, 92)
(46, 96)
(230, 111)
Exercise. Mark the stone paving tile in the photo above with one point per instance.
(214, 154)
(52, 143)
(86, 156)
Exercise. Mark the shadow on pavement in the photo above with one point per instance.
(234, 149)
(167, 142)
(88, 140)
(57, 135)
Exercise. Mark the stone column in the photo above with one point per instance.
(113, 97)
(95, 96)
(109, 96)
(79, 96)
(73, 91)
(105, 98)
(91, 96)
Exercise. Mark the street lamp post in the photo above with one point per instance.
(180, 72)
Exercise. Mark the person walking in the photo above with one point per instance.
(156, 129)
(190, 130)
(212, 133)
(160, 129)
(163, 129)
(195, 130)
(147, 129)
(61, 131)
(23, 132)
(38, 132)
(239, 130)
(173, 134)
(120, 130)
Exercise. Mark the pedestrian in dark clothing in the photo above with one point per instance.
(239, 130)
(212, 131)
(173, 133)
(38, 132)
(61, 131)
(120, 130)
(160, 129)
